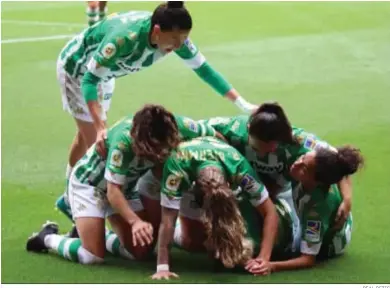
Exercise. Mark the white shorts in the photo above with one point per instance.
(149, 186)
(73, 100)
(287, 198)
(88, 201)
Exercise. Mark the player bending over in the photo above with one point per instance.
(318, 201)
(122, 44)
(271, 145)
(102, 188)
(217, 169)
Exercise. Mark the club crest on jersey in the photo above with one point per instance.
(310, 143)
(116, 158)
(190, 46)
(249, 184)
(173, 182)
(109, 50)
(313, 231)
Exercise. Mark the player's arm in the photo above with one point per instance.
(190, 129)
(345, 187)
(170, 203)
(307, 142)
(115, 173)
(258, 196)
(315, 223)
(198, 63)
(97, 69)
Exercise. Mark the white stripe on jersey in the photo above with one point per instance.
(195, 62)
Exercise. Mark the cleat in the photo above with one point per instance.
(73, 233)
(36, 242)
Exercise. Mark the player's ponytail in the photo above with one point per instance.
(270, 123)
(154, 133)
(332, 166)
(225, 227)
(172, 15)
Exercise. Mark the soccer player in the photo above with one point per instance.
(185, 237)
(318, 200)
(218, 170)
(102, 188)
(96, 11)
(271, 145)
(123, 44)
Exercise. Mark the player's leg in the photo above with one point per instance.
(92, 12)
(190, 232)
(120, 241)
(88, 209)
(102, 9)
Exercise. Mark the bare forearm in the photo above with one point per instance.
(95, 111)
(345, 186)
(293, 264)
(269, 235)
(165, 236)
(119, 203)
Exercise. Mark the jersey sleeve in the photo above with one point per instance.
(315, 223)
(234, 129)
(174, 182)
(306, 142)
(190, 129)
(197, 62)
(119, 157)
(190, 54)
(251, 185)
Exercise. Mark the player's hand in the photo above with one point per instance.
(101, 137)
(258, 266)
(142, 233)
(342, 215)
(164, 275)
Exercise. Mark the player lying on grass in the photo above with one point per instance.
(271, 145)
(318, 201)
(122, 44)
(102, 188)
(217, 169)
(96, 11)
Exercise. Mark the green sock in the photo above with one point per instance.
(114, 246)
(64, 246)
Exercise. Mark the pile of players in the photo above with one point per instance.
(252, 192)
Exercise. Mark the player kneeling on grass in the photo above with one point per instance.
(217, 169)
(101, 188)
(318, 200)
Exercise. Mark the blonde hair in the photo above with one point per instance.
(225, 227)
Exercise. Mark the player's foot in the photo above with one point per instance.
(73, 233)
(36, 242)
(63, 206)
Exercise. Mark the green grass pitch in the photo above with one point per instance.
(328, 64)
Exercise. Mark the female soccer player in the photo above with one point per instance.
(271, 145)
(123, 44)
(102, 188)
(217, 169)
(318, 201)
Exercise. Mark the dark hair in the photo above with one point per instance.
(225, 227)
(172, 15)
(332, 166)
(154, 132)
(270, 123)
